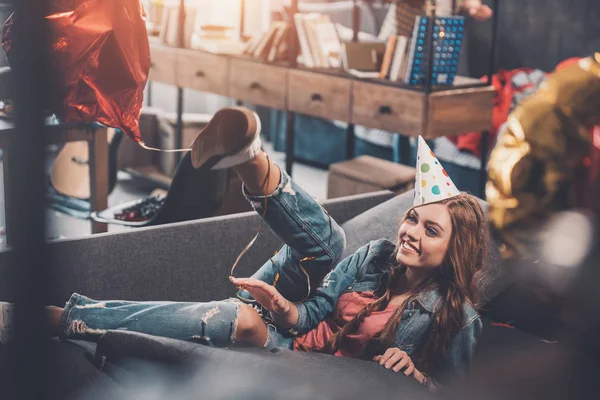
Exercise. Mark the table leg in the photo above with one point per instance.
(405, 156)
(290, 133)
(9, 215)
(179, 126)
(98, 165)
(350, 150)
(483, 171)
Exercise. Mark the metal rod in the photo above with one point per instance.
(179, 125)
(27, 352)
(181, 32)
(290, 135)
(495, 19)
(431, 22)
(149, 93)
(290, 117)
(355, 21)
(242, 18)
(484, 148)
(350, 150)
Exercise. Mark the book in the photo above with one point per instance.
(361, 56)
(404, 65)
(329, 42)
(387, 57)
(277, 37)
(398, 58)
(363, 74)
(447, 42)
(310, 21)
(262, 50)
(303, 41)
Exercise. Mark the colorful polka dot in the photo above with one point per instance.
(425, 167)
(432, 155)
(422, 200)
(444, 172)
(448, 183)
(434, 177)
(436, 190)
(435, 162)
(423, 183)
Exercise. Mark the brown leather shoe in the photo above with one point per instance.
(231, 137)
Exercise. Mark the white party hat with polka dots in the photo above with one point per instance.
(432, 182)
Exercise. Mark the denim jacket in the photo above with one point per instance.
(366, 271)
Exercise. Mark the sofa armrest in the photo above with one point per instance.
(187, 261)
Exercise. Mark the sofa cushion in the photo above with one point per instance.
(250, 373)
(384, 220)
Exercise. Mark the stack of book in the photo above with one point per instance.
(273, 45)
(319, 44)
(403, 59)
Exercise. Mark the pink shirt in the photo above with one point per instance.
(348, 305)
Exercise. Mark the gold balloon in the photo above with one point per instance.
(531, 169)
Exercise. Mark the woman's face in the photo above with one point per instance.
(424, 237)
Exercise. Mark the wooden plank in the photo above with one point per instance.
(319, 95)
(258, 83)
(459, 111)
(203, 71)
(98, 163)
(386, 107)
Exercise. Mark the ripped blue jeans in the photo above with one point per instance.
(314, 243)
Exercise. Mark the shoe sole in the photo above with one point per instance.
(230, 131)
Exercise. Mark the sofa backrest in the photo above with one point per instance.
(187, 261)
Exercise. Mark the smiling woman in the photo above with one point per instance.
(410, 306)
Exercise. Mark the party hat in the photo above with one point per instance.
(432, 182)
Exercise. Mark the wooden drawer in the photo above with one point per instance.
(258, 83)
(460, 111)
(319, 95)
(203, 71)
(163, 64)
(390, 108)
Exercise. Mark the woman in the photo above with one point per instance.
(410, 306)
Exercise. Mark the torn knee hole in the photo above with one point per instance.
(79, 327)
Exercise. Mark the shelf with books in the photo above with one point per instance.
(332, 92)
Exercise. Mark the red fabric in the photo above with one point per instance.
(98, 61)
(502, 82)
(347, 307)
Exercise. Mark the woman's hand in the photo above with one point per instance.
(478, 11)
(396, 360)
(284, 311)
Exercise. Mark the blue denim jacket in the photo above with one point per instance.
(365, 271)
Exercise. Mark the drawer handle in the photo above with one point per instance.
(385, 110)
(316, 97)
(254, 85)
(200, 74)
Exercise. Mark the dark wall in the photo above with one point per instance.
(536, 34)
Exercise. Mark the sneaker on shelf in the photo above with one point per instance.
(142, 210)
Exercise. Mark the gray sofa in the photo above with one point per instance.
(190, 261)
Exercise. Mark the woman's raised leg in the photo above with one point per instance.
(313, 240)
